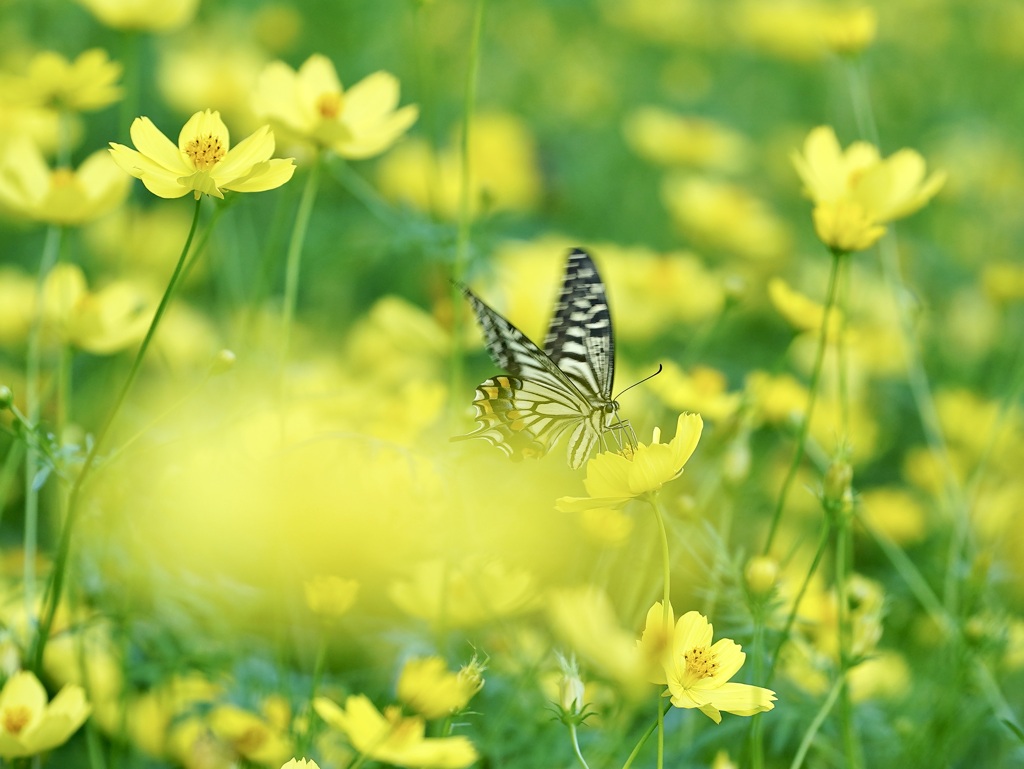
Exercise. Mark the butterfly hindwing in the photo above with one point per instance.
(564, 388)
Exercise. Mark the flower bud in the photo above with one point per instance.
(6, 397)
(222, 363)
(761, 574)
(838, 492)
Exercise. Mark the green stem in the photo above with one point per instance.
(842, 352)
(576, 746)
(55, 586)
(294, 262)
(666, 606)
(757, 732)
(314, 687)
(465, 222)
(784, 636)
(837, 258)
(646, 736)
(33, 367)
(130, 55)
(842, 576)
(917, 377)
(819, 719)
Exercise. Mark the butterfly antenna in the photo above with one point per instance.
(660, 369)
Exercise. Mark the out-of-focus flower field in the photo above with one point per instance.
(233, 353)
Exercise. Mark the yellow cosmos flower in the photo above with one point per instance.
(329, 596)
(848, 31)
(87, 83)
(250, 736)
(699, 672)
(311, 104)
(391, 739)
(614, 479)
(203, 162)
(28, 725)
(152, 15)
(669, 139)
(856, 192)
(427, 686)
(799, 310)
(30, 188)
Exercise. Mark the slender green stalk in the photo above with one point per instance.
(33, 367)
(130, 58)
(842, 575)
(842, 351)
(815, 725)
(666, 606)
(917, 377)
(294, 262)
(645, 736)
(465, 222)
(576, 746)
(314, 687)
(830, 300)
(757, 732)
(55, 586)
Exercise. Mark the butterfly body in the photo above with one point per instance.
(564, 388)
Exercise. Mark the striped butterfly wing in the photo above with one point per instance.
(528, 410)
(580, 340)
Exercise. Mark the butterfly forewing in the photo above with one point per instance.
(580, 340)
(566, 387)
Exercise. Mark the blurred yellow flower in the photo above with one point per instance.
(250, 736)
(30, 188)
(855, 192)
(150, 15)
(475, 591)
(777, 399)
(104, 322)
(761, 574)
(702, 389)
(895, 513)
(614, 479)
(655, 643)
(427, 686)
(391, 739)
(134, 240)
(884, 675)
(311, 105)
(699, 672)
(203, 162)
(29, 724)
(799, 310)
(329, 596)
(607, 525)
(725, 215)
(585, 620)
(503, 166)
(670, 139)
(17, 300)
(88, 83)
(848, 31)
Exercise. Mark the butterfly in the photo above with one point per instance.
(564, 388)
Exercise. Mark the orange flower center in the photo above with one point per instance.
(700, 663)
(15, 718)
(205, 152)
(62, 177)
(329, 105)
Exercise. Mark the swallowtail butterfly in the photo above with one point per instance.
(564, 388)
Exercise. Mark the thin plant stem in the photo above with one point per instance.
(55, 585)
(314, 686)
(842, 569)
(842, 351)
(294, 262)
(33, 410)
(131, 42)
(805, 426)
(666, 606)
(645, 736)
(917, 377)
(815, 725)
(465, 222)
(576, 746)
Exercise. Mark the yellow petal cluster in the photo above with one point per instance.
(614, 479)
(29, 188)
(310, 104)
(428, 687)
(150, 15)
(329, 596)
(393, 739)
(698, 672)
(87, 83)
(29, 724)
(856, 192)
(667, 138)
(204, 161)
